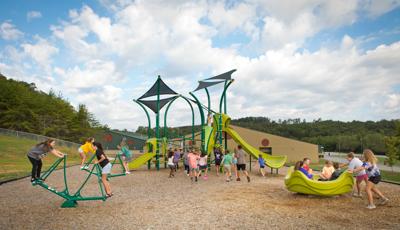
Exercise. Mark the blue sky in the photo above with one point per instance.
(312, 59)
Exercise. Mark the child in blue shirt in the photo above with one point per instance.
(261, 163)
(299, 166)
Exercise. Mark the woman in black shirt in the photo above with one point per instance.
(105, 164)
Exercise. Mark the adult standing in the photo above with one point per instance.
(241, 163)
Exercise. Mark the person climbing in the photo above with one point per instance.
(85, 149)
(105, 165)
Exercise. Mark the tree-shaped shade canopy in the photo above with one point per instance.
(152, 104)
(215, 80)
(163, 89)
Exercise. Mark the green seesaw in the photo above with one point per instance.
(117, 159)
(71, 200)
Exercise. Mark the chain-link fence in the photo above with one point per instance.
(38, 138)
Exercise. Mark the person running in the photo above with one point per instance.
(241, 163)
(186, 162)
(85, 149)
(374, 177)
(361, 175)
(261, 163)
(105, 165)
(39, 151)
(171, 164)
(218, 159)
(193, 157)
(203, 165)
(177, 156)
(227, 162)
(126, 155)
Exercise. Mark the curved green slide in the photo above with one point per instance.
(146, 156)
(296, 181)
(271, 161)
(210, 139)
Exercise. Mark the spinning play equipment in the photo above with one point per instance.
(296, 181)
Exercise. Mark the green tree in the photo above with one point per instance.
(392, 150)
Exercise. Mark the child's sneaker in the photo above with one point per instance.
(205, 177)
(86, 166)
(238, 179)
(82, 167)
(357, 195)
(227, 180)
(248, 179)
(195, 179)
(127, 172)
(383, 201)
(371, 206)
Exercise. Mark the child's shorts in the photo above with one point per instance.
(262, 166)
(80, 150)
(106, 169)
(227, 168)
(194, 169)
(171, 166)
(361, 177)
(375, 179)
(241, 167)
(203, 167)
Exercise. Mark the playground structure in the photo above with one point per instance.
(296, 181)
(210, 135)
(71, 199)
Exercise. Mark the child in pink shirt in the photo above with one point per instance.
(193, 157)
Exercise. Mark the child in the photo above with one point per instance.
(261, 163)
(227, 162)
(337, 171)
(186, 162)
(327, 171)
(234, 165)
(299, 166)
(105, 165)
(361, 175)
(374, 177)
(306, 165)
(36, 154)
(218, 158)
(171, 164)
(241, 163)
(126, 155)
(177, 156)
(85, 149)
(193, 157)
(203, 165)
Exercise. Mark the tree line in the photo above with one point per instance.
(25, 108)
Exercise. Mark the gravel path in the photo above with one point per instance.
(150, 200)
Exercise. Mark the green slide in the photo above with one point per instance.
(275, 162)
(296, 181)
(270, 161)
(145, 157)
(210, 139)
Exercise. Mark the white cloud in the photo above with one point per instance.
(41, 52)
(33, 15)
(8, 31)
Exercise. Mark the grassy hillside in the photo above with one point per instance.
(14, 162)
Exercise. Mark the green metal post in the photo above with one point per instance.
(165, 117)
(148, 127)
(201, 119)
(158, 124)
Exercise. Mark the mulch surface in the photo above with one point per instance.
(150, 200)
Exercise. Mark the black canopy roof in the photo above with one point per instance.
(215, 80)
(164, 89)
(152, 104)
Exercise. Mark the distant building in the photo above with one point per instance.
(275, 145)
(110, 139)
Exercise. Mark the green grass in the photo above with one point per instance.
(14, 162)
